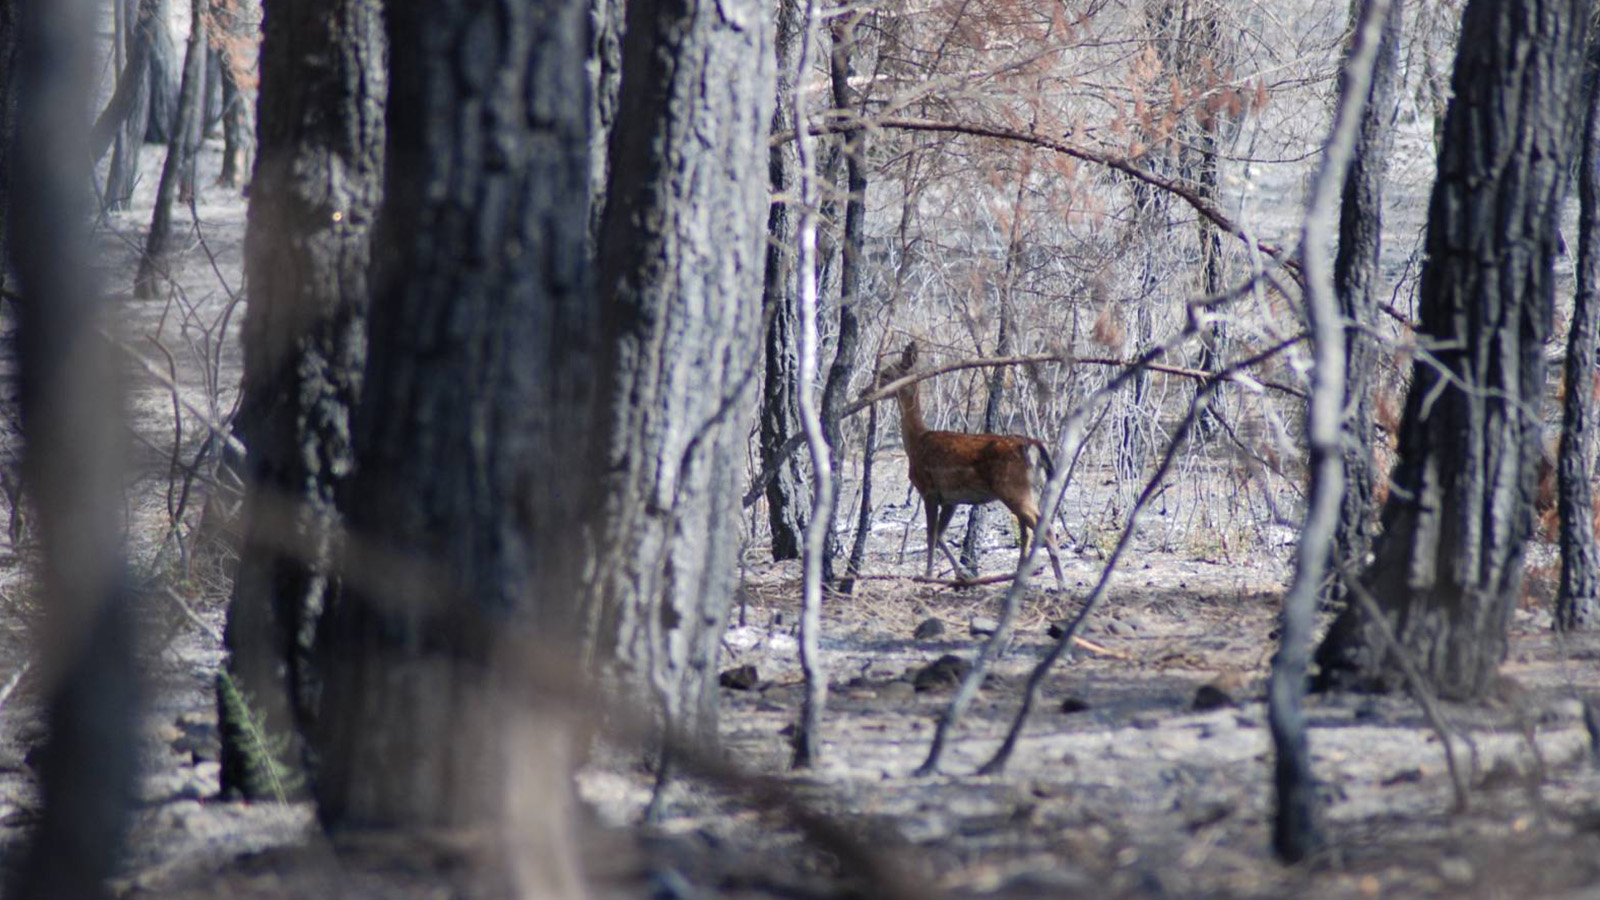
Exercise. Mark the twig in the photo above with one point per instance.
(12, 682)
(193, 616)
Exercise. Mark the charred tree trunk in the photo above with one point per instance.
(72, 423)
(319, 181)
(236, 105)
(180, 161)
(10, 95)
(1448, 565)
(858, 549)
(475, 464)
(126, 117)
(1357, 282)
(991, 423)
(853, 247)
(681, 251)
(788, 503)
(166, 73)
(1578, 596)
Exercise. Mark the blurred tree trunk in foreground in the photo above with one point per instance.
(73, 425)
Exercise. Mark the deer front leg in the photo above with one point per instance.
(931, 508)
(946, 512)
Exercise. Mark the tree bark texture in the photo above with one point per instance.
(180, 160)
(73, 429)
(166, 74)
(606, 21)
(1358, 282)
(10, 40)
(126, 117)
(1448, 566)
(232, 41)
(467, 517)
(1578, 594)
(681, 255)
(853, 244)
(788, 498)
(319, 181)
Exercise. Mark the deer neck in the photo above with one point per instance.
(911, 424)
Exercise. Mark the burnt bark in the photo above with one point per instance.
(1357, 282)
(1578, 594)
(319, 180)
(606, 21)
(468, 512)
(123, 123)
(166, 74)
(178, 171)
(852, 249)
(1448, 567)
(236, 106)
(680, 252)
(788, 499)
(10, 93)
(73, 427)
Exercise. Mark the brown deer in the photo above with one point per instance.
(950, 468)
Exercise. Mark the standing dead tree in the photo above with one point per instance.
(179, 168)
(1296, 831)
(72, 422)
(1578, 595)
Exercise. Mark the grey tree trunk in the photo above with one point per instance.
(73, 427)
(1448, 566)
(236, 106)
(1578, 595)
(852, 250)
(1357, 282)
(179, 166)
(788, 497)
(318, 185)
(468, 514)
(130, 105)
(166, 73)
(997, 379)
(681, 251)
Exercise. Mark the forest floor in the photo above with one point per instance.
(1123, 785)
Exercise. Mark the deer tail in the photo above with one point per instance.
(1044, 458)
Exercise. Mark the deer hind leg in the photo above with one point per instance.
(1028, 520)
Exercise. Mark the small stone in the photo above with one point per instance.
(928, 629)
(1210, 696)
(1145, 721)
(944, 672)
(897, 692)
(983, 626)
(1057, 629)
(742, 678)
(1071, 705)
(1456, 870)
